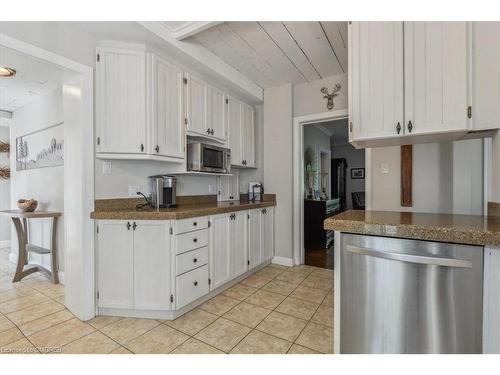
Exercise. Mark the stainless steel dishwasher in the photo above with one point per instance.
(409, 296)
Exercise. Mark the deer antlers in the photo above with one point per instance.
(329, 96)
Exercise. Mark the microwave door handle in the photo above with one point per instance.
(408, 258)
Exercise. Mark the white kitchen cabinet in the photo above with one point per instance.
(115, 264)
(485, 75)
(133, 262)
(435, 77)
(217, 113)
(255, 256)
(196, 106)
(166, 111)
(228, 187)
(376, 77)
(120, 101)
(220, 249)
(267, 233)
(248, 136)
(234, 121)
(239, 243)
(151, 264)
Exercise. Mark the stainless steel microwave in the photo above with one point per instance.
(202, 157)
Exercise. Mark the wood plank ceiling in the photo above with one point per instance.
(273, 53)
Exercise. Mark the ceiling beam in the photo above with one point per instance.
(193, 28)
(208, 59)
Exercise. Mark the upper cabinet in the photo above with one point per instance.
(121, 103)
(376, 68)
(435, 76)
(241, 123)
(146, 106)
(485, 75)
(206, 106)
(167, 112)
(411, 82)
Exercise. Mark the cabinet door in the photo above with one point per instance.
(435, 76)
(196, 105)
(229, 187)
(217, 113)
(239, 244)
(167, 111)
(255, 238)
(485, 78)
(115, 264)
(220, 250)
(234, 123)
(151, 265)
(376, 78)
(268, 233)
(120, 102)
(248, 132)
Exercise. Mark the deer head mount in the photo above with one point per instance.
(330, 97)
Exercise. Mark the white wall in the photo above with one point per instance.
(43, 184)
(447, 178)
(4, 191)
(308, 99)
(355, 159)
(278, 167)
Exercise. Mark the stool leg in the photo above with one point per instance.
(21, 256)
(53, 252)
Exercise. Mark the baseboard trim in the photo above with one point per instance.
(282, 261)
(4, 244)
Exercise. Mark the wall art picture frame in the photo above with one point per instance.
(357, 173)
(41, 149)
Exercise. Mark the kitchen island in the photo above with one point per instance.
(416, 283)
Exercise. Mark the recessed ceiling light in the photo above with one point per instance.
(6, 71)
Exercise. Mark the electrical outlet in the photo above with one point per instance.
(132, 190)
(385, 168)
(106, 167)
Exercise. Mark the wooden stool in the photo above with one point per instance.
(25, 247)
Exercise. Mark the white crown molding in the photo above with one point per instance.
(203, 56)
(193, 28)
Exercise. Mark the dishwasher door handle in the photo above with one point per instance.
(429, 260)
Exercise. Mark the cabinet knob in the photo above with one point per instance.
(134, 226)
(142, 147)
(195, 260)
(410, 126)
(208, 131)
(157, 148)
(398, 127)
(128, 225)
(195, 240)
(195, 223)
(195, 283)
(212, 131)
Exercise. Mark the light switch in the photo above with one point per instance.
(385, 168)
(106, 167)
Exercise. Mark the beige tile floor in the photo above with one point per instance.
(277, 310)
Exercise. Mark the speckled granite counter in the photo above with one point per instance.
(464, 229)
(124, 209)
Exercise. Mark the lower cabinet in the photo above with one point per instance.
(165, 265)
(133, 259)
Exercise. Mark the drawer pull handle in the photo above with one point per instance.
(195, 223)
(195, 283)
(195, 260)
(195, 239)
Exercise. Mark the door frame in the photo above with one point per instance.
(78, 101)
(298, 174)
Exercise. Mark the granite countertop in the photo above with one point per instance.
(463, 229)
(124, 209)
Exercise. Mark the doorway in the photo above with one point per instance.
(329, 179)
(75, 83)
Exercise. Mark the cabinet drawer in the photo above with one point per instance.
(192, 240)
(190, 260)
(191, 286)
(191, 224)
